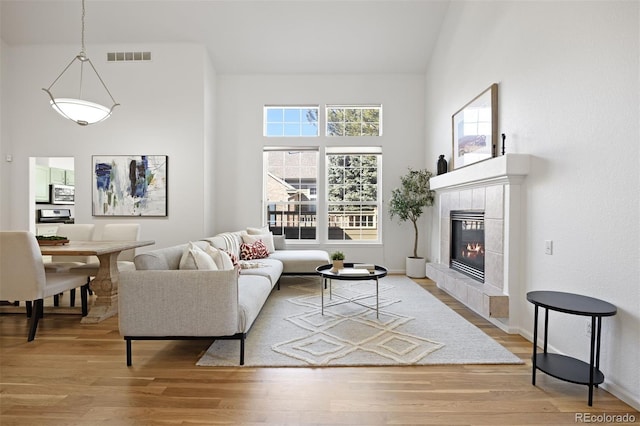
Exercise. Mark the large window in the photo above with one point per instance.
(353, 194)
(354, 120)
(291, 187)
(292, 121)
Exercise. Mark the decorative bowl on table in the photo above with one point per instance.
(53, 240)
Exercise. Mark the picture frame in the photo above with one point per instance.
(130, 185)
(475, 129)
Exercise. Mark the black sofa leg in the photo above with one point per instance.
(242, 337)
(128, 341)
(72, 297)
(35, 317)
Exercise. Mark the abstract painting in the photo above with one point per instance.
(129, 185)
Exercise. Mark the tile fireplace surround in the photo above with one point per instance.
(495, 186)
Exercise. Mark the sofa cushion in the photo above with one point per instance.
(164, 258)
(270, 268)
(253, 291)
(193, 257)
(300, 261)
(256, 250)
(279, 242)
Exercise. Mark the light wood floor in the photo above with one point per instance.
(74, 374)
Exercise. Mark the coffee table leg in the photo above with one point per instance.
(323, 285)
(377, 300)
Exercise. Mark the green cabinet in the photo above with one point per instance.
(46, 176)
(57, 176)
(70, 177)
(42, 184)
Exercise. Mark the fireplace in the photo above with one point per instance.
(467, 243)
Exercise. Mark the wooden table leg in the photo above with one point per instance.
(105, 286)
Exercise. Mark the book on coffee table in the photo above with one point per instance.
(353, 271)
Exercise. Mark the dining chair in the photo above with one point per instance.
(23, 277)
(113, 232)
(73, 232)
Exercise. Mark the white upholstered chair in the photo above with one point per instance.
(23, 277)
(73, 232)
(114, 232)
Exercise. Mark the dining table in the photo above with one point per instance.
(105, 283)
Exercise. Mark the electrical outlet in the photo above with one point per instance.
(548, 247)
(587, 328)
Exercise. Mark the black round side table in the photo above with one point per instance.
(564, 367)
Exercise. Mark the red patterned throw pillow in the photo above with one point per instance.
(257, 250)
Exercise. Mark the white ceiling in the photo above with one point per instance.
(261, 36)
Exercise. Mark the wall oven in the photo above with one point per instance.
(62, 194)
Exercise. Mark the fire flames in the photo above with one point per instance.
(473, 250)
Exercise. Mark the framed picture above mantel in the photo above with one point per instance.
(129, 185)
(475, 129)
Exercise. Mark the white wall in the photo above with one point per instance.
(162, 112)
(569, 95)
(239, 144)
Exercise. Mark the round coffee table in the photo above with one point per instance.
(328, 274)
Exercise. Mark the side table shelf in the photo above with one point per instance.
(564, 367)
(567, 368)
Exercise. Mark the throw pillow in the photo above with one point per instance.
(267, 239)
(279, 242)
(220, 257)
(234, 258)
(194, 257)
(258, 231)
(256, 250)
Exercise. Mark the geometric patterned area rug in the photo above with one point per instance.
(413, 328)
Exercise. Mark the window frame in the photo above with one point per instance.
(266, 203)
(358, 150)
(361, 107)
(265, 121)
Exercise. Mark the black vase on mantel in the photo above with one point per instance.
(442, 165)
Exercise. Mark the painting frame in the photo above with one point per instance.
(129, 185)
(474, 129)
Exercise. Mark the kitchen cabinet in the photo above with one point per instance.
(70, 177)
(46, 176)
(42, 184)
(57, 176)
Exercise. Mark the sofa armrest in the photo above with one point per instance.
(178, 303)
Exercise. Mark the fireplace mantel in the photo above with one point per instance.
(508, 168)
(494, 186)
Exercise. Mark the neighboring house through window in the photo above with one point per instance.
(294, 205)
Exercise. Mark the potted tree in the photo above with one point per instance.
(408, 202)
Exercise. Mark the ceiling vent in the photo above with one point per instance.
(128, 56)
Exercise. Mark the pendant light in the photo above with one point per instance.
(78, 110)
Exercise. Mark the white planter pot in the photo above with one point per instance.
(415, 267)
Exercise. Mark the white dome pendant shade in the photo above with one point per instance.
(78, 110)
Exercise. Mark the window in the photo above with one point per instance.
(293, 121)
(354, 120)
(353, 194)
(291, 183)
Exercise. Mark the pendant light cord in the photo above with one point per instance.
(82, 52)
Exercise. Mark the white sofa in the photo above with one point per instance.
(159, 301)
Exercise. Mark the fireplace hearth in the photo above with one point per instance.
(467, 243)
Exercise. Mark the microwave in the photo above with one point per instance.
(62, 194)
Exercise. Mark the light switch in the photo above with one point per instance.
(548, 247)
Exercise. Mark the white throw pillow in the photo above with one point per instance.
(220, 257)
(267, 239)
(258, 231)
(194, 257)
